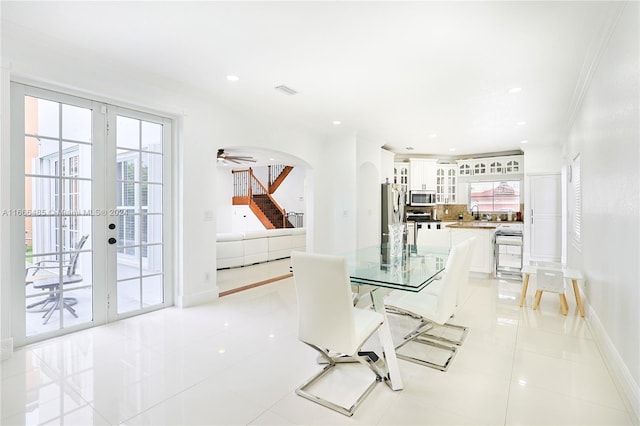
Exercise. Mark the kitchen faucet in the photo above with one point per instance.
(477, 215)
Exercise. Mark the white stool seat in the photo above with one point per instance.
(551, 277)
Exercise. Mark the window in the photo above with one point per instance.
(495, 196)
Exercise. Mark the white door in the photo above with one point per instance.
(546, 217)
(138, 205)
(74, 237)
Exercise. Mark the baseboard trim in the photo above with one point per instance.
(622, 376)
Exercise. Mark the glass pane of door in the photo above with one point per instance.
(58, 220)
(139, 211)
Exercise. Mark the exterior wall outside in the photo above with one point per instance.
(605, 135)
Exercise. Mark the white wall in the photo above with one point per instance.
(202, 121)
(543, 159)
(333, 179)
(605, 134)
(224, 209)
(387, 163)
(369, 176)
(290, 195)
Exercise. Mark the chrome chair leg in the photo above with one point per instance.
(426, 326)
(420, 334)
(331, 363)
(442, 367)
(463, 334)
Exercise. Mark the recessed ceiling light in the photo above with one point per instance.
(337, 122)
(233, 78)
(433, 135)
(515, 90)
(524, 141)
(409, 148)
(452, 149)
(521, 123)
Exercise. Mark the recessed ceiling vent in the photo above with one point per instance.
(286, 90)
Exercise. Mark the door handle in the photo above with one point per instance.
(112, 240)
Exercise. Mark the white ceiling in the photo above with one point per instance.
(396, 72)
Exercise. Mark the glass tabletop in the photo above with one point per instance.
(412, 271)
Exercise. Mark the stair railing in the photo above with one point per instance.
(274, 172)
(257, 188)
(241, 181)
(246, 186)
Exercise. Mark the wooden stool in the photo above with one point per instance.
(572, 274)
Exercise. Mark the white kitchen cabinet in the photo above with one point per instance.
(496, 166)
(480, 167)
(482, 259)
(446, 183)
(401, 175)
(514, 164)
(491, 166)
(422, 174)
(464, 169)
(434, 237)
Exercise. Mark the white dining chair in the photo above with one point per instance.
(463, 290)
(432, 307)
(329, 323)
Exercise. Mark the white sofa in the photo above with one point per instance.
(230, 249)
(241, 249)
(283, 241)
(256, 247)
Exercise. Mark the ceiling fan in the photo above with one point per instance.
(234, 158)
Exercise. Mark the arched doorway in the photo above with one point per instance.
(248, 252)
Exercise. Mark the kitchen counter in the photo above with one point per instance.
(482, 260)
(475, 225)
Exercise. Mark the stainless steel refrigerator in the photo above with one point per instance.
(393, 203)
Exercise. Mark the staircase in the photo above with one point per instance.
(277, 175)
(248, 190)
(271, 210)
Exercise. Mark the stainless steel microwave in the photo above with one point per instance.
(422, 198)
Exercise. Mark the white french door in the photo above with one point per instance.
(138, 202)
(89, 212)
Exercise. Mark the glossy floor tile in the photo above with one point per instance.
(238, 361)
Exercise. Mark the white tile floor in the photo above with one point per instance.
(237, 361)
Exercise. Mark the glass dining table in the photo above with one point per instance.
(413, 270)
(375, 269)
